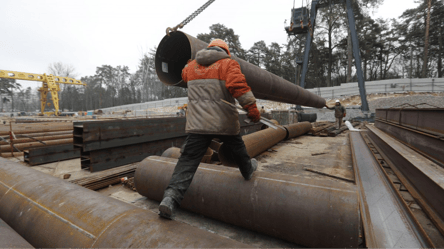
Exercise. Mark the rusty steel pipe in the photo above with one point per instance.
(49, 213)
(22, 146)
(44, 139)
(42, 134)
(39, 130)
(10, 238)
(298, 209)
(14, 154)
(298, 129)
(255, 143)
(174, 152)
(176, 49)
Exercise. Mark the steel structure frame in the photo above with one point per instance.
(315, 5)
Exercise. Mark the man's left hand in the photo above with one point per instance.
(253, 112)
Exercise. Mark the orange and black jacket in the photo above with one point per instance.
(213, 76)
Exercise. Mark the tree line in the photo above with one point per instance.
(410, 46)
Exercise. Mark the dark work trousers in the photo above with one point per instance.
(194, 149)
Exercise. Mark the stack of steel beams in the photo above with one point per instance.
(387, 220)
(420, 129)
(42, 155)
(113, 143)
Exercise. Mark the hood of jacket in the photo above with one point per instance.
(207, 57)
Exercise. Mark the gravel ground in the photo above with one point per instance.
(431, 102)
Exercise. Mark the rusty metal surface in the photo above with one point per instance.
(255, 143)
(10, 238)
(305, 211)
(298, 129)
(419, 174)
(49, 213)
(424, 142)
(174, 152)
(175, 50)
(386, 222)
(42, 155)
(425, 119)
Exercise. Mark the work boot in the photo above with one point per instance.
(253, 168)
(166, 207)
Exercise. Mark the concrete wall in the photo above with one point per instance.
(346, 89)
(382, 86)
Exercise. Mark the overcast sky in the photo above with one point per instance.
(91, 33)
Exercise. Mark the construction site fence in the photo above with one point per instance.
(382, 86)
(345, 89)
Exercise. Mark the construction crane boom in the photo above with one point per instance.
(50, 83)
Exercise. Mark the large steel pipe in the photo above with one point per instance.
(260, 141)
(49, 213)
(174, 152)
(298, 209)
(255, 143)
(176, 49)
(10, 238)
(298, 129)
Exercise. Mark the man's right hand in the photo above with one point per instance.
(253, 112)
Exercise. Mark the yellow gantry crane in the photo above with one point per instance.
(50, 83)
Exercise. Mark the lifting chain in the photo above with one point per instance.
(189, 18)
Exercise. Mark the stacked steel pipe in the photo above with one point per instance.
(302, 210)
(49, 213)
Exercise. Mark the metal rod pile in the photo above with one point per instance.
(106, 178)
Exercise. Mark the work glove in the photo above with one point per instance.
(253, 112)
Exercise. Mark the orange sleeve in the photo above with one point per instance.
(185, 71)
(235, 80)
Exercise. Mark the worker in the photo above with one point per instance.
(340, 113)
(262, 110)
(183, 110)
(212, 76)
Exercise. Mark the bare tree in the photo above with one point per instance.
(60, 69)
(426, 42)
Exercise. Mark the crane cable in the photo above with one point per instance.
(189, 18)
(292, 15)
